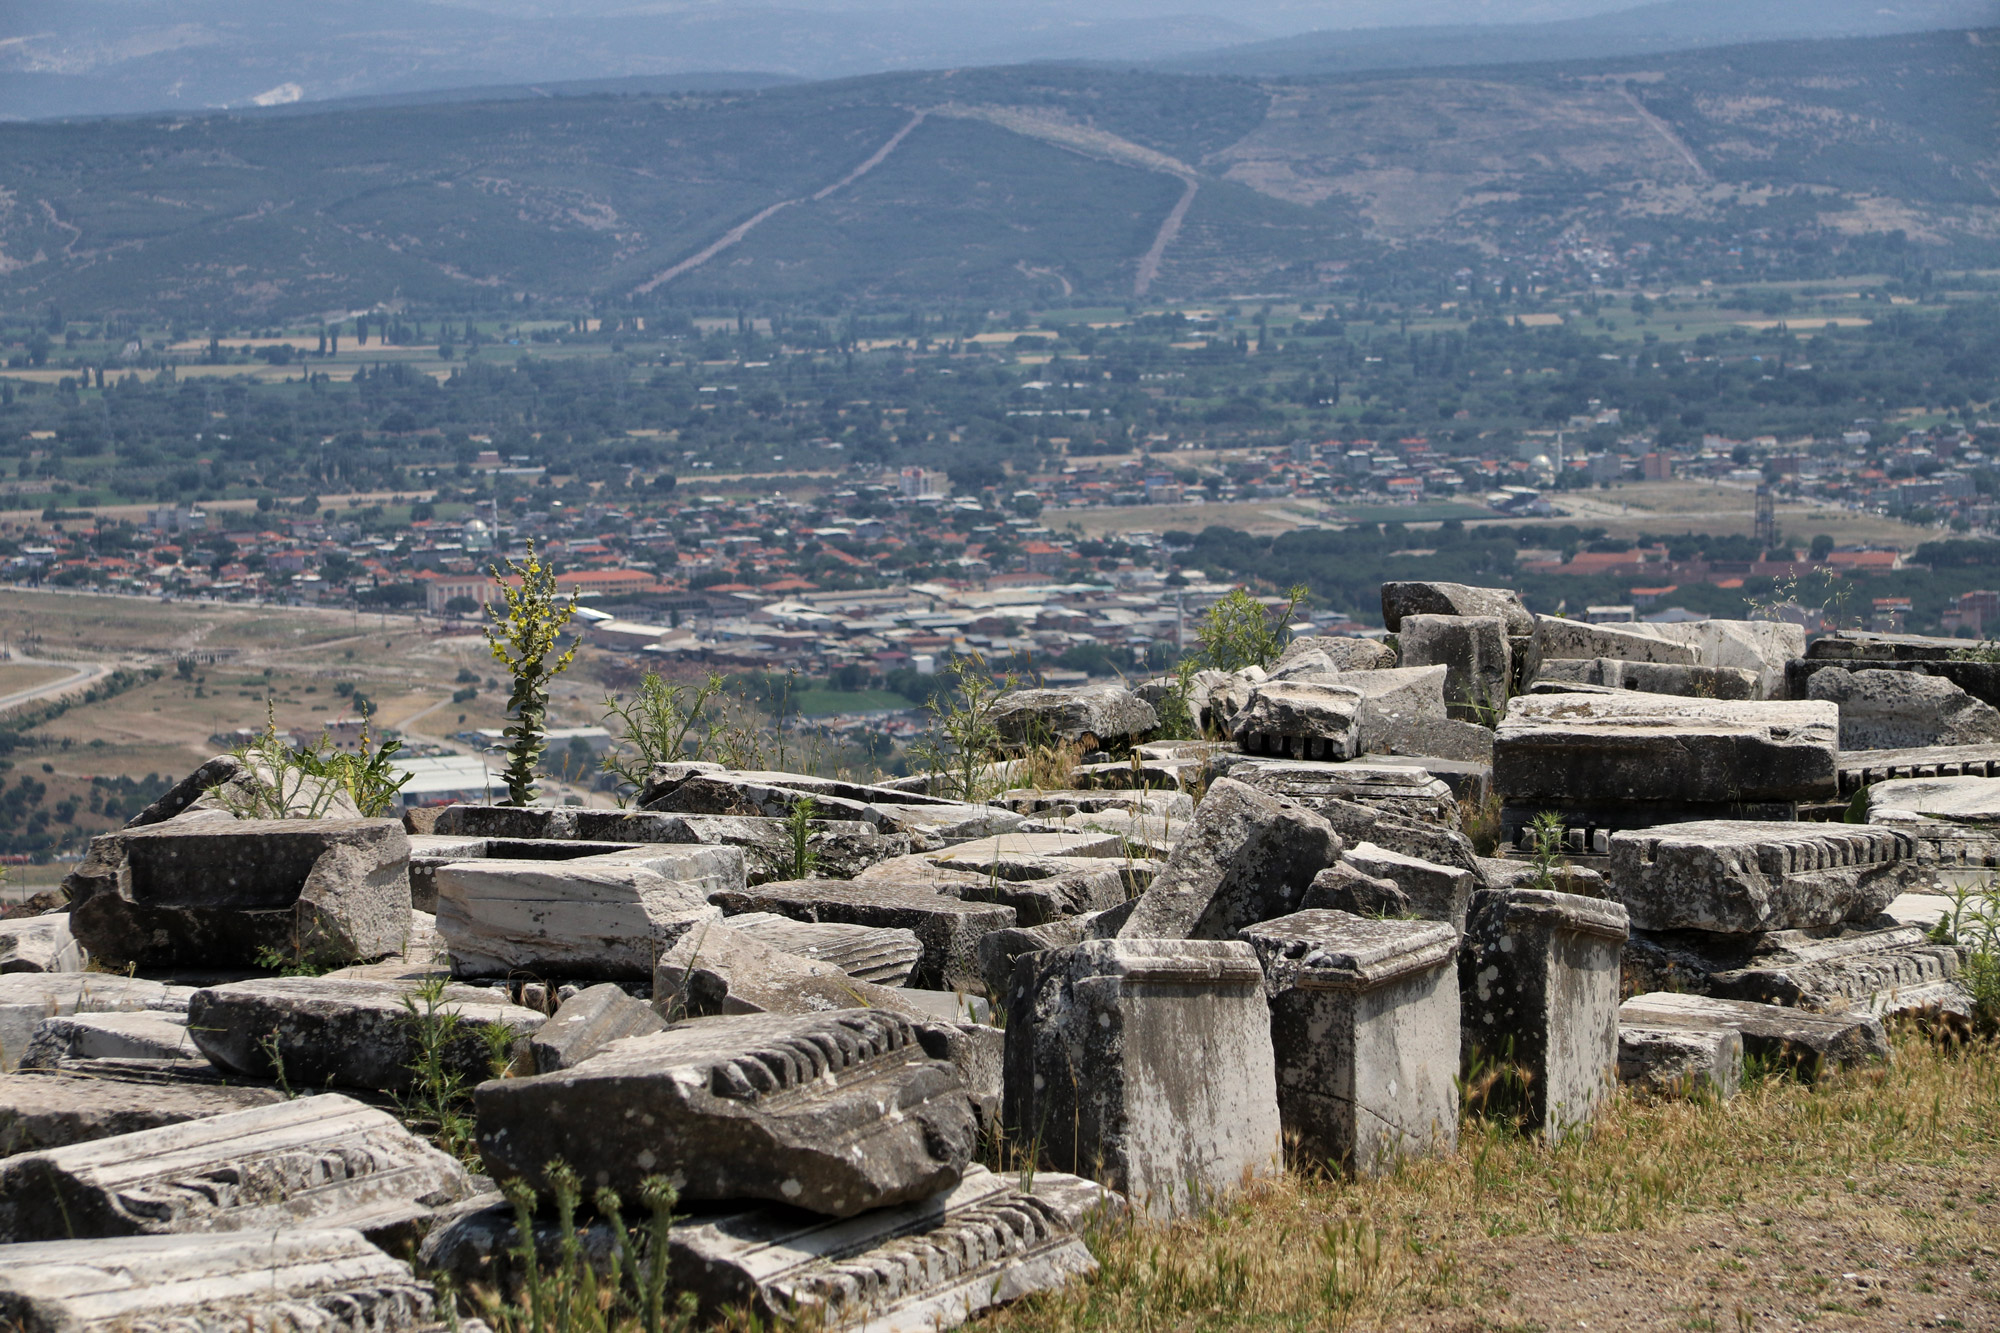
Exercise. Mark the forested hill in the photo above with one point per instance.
(1024, 184)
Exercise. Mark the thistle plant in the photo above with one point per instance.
(524, 638)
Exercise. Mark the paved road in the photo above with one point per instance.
(80, 678)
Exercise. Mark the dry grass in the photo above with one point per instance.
(1899, 1164)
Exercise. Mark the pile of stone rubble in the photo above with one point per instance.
(1149, 987)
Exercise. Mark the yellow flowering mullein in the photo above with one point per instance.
(523, 638)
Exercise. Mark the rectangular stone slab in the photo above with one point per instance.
(345, 1033)
(148, 1034)
(836, 1113)
(1436, 892)
(578, 919)
(1745, 876)
(1812, 1043)
(52, 1108)
(586, 1023)
(282, 1281)
(878, 954)
(909, 1269)
(26, 998)
(1599, 749)
(325, 1160)
(948, 928)
(39, 944)
(1680, 1062)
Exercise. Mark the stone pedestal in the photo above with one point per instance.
(1145, 1064)
(1538, 985)
(1364, 1028)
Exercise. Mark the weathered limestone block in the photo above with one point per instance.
(1039, 803)
(1538, 985)
(1742, 876)
(1812, 1043)
(325, 1161)
(921, 1266)
(283, 1281)
(1694, 682)
(1364, 1026)
(1434, 892)
(1100, 716)
(1342, 652)
(1307, 719)
(836, 1113)
(946, 927)
(1070, 886)
(998, 855)
(345, 1033)
(429, 851)
(1892, 710)
(1147, 1063)
(1868, 966)
(1576, 640)
(999, 948)
(218, 892)
(1476, 655)
(913, 1267)
(866, 953)
(1358, 823)
(1247, 857)
(717, 969)
(1579, 880)
(578, 919)
(1954, 800)
(586, 1023)
(1563, 749)
(26, 998)
(1680, 1062)
(146, 1035)
(39, 944)
(1344, 888)
(1397, 789)
(52, 1108)
(218, 771)
(1434, 598)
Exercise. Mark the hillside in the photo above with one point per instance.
(1025, 183)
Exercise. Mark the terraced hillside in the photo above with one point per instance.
(1029, 183)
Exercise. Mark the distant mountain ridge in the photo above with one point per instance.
(120, 57)
(1026, 184)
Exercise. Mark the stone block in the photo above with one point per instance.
(1880, 966)
(314, 1161)
(221, 892)
(1891, 710)
(1575, 640)
(1434, 892)
(1343, 888)
(428, 851)
(1694, 682)
(1573, 749)
(52, 1108)
(1538, 987)
(1342, 652)
(345, 1033)
(1433, 598)
(835, 1113)
(281, 1281)
(586, 1023)
(999, 948)
(844, 847)
(1680, 1062)
(1364, 1027)
(997, 855)
(1358, 823)
(26, 998)
(1398, 789)
(1247, 856)
(1476, 656)
(1307, 719)
(874, 954)
(1039, 803)
(1743, 876)
(914, 1268)
(145, 1035)
(1811, 1043)
(946, 927)
(1146, 1063)
(1105, 715)
(1955, 800)
(717, 969)
(578, 919)
(39, 944)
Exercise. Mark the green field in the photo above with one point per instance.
(825, 703)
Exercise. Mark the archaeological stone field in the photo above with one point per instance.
(889, 1055)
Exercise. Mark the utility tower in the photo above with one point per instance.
(1767, 518)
